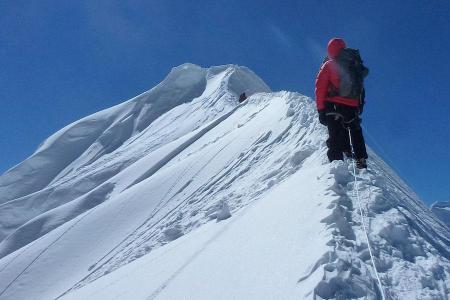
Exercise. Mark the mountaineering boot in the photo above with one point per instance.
(361, 163)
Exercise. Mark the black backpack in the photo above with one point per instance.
(351, 72)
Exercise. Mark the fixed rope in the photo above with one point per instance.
(363, 221)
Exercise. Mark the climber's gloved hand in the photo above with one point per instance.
(322, 117)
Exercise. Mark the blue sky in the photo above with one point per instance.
(62, 60)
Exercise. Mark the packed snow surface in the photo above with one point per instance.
(182, 193)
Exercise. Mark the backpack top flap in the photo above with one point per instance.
(351, 57)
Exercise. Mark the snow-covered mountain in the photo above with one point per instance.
(442, 211)
(182, 193)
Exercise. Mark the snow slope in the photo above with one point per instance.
(181, 193)
(78, 162)
(442, 211)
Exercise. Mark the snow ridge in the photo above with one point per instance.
(204, 189)
(346, 274)
(78, 163)
(401, 247)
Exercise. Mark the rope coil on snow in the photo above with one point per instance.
(363, 219)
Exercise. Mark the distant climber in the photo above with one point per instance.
(340, 100)
(242, 97)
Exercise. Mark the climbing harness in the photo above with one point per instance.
(361, 212)
(338, 116)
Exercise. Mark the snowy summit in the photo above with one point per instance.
(184, 193)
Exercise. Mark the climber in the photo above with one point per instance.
(340, 101)
(242, 97)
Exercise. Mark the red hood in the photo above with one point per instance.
(334, 47)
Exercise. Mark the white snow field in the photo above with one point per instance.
(182, 193)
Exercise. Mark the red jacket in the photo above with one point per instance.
(327, 84)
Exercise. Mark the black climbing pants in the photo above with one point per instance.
(339, 118)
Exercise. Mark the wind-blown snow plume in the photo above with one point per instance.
(182, 185)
